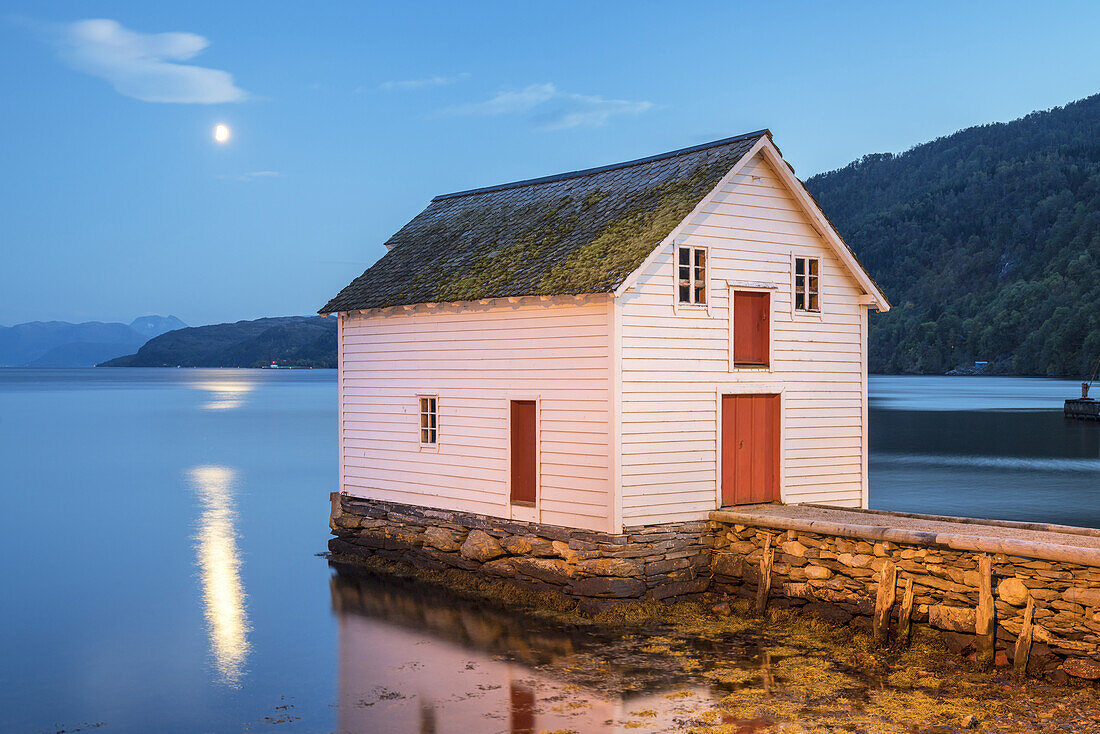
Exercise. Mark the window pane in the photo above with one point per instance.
(685, 272)
(423, 435)
(813, 267)
(700, 258)
(799, 266)
(700, 294)
(813, 301)
(799, 301)
(800, 284)
(423, 420)
(685, 293)
(431, 420)
(685, 256)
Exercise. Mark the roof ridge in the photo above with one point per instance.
(600, 169)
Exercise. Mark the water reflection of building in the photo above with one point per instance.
(419, 661)
(219, 565)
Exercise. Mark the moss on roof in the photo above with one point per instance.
(576, 233)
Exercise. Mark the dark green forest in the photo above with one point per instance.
(986, 242)
(298, 341)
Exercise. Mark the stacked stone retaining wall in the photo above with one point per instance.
(654, 562)
(826, 574)
(837, 578)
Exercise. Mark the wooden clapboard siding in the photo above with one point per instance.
(477, 358)
(675, 362)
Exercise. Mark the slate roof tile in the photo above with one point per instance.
(573, 233)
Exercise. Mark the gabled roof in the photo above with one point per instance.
(573, 233)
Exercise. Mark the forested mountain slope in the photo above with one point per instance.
(299, 341)
(986, 241)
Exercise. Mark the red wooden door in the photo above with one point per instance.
(750, 449)
(751, 330)
(524, 438)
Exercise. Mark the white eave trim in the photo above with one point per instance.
(875, 297)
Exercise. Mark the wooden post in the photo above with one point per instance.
(1023, 642)
(905, 613)
(985, 627)
(884, 602)
(764, 588)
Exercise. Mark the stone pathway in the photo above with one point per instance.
(1028, 532)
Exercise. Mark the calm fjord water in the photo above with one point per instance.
(159, 532)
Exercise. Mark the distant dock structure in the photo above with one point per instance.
(1084, 407)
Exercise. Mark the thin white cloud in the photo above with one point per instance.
(144, 65)
(251, 175)
(547, 108)
(431, 81)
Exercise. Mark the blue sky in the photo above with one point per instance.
(347, 118)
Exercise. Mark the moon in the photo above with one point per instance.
(221, 133)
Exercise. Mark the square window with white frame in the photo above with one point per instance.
(807, 284)
(429, 420)
(691, 281)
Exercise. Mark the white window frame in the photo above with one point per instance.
(421, 413)
(805, 312)
(708, 295)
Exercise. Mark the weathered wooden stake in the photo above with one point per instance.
(1023, 642)
(766, 667)
(765, 586)
(884, 602)
(985, 628)
(905, 613)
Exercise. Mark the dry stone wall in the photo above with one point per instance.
(830, 575)
(653, 562)
(837, 578)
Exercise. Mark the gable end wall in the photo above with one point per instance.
(675, 362)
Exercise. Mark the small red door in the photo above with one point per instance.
(524, 437)
(750, 449)
(751, 331)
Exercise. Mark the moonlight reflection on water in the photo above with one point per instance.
(219, 564)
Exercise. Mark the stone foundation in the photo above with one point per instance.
(653, 562)
(832, 575)
(836, 578)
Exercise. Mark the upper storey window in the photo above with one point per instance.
(807, 284)
(691, 275)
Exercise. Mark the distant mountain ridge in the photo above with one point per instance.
(62, 344)
(987, 242)
(298, 341)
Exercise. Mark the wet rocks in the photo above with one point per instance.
(1085, 668)
(550, 570)
(607, 586)
(528, 545)
(443, 539)
(480, 546)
